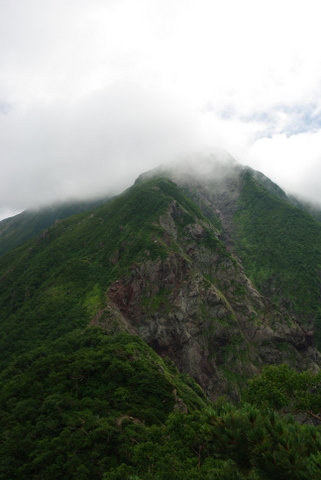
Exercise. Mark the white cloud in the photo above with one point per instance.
(91, 93)
(293, 162)
(97, 144)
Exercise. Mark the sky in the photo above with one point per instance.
(94, 92)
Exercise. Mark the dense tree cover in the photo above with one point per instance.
(14, 231)
(64, 407)
(280, 248)
(280, 387)
(93, 406)
(82, 404)
(223, 443)
(57, 282)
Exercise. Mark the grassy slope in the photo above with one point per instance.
(57, 282)
(280, 247)
(14, 231)
(65, 406)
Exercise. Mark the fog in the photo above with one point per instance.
(94, 147)
(94, 93)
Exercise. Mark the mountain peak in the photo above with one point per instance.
(215, 166)
(195, 268)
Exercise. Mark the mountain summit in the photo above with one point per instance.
(207, 261)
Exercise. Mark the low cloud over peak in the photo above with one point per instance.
(92, 94)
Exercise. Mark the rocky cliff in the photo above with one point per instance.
(197, 307)
(200, 262)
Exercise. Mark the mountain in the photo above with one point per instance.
(121, 324)
(64, 408)
(313, 209)
(199, 262)
(278, 243)
(95, 407)
(14, 231)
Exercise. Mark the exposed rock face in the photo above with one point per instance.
(197, 307)
(163, 261)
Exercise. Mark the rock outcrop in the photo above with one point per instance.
(197, 307)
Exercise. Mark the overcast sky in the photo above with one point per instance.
(93, 92)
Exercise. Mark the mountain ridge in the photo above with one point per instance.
(127, 330)
(16, 230)
(152, 264)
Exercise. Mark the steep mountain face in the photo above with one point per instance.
(14, 231)
(313, 209)
(197, 307)
(150, 263)
(279, 244)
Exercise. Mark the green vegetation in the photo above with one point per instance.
(224, 443)
(14, 231)
(76, 403)
(156, 303)
(93, 406)
(58, 281)
(280, 387)
(280, 247)
(63, 408)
